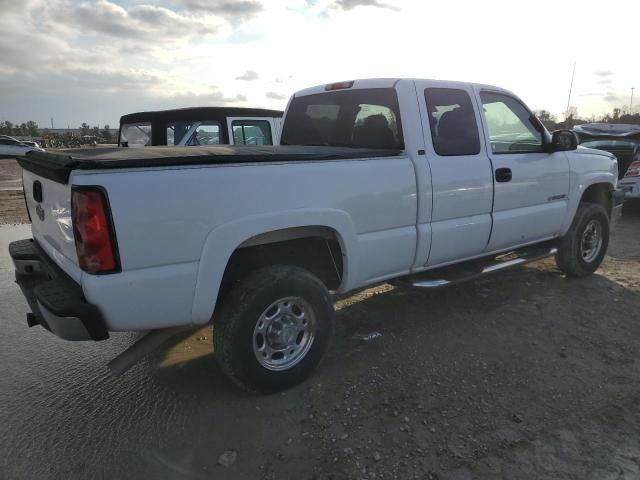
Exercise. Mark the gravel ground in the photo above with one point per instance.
(524, 375)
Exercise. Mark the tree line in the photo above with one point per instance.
(571, 118)
(31, 129)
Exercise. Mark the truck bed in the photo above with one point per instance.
(57, 164)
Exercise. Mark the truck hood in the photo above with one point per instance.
(592, 151)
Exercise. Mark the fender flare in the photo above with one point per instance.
(585, 182)
(224, 239)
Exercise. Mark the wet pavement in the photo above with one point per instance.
(63, 416)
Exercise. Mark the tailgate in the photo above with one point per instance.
(49, 205)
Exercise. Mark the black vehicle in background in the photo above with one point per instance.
(201, 126)
(620, 139)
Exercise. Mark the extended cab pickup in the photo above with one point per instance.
(376, 180)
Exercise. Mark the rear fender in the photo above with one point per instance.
(223, 240)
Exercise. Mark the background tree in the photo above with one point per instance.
(85, 129)
(106, 134)
(95, 131)
(32, 128)
(547, 119)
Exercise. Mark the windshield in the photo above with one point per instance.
(351, 118)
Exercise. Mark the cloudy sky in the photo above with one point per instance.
(92, 61)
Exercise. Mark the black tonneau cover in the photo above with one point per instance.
(57, 164)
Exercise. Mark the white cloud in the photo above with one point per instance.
(249, 76)
(122, 55)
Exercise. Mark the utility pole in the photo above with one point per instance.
(570, 88)
(631, 101)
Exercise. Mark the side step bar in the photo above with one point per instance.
(449, 275)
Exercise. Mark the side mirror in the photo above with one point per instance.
(563, 140)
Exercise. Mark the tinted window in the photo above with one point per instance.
(207, 133)
(511, 129)
(251, 132)
(352, 118)
(454, 129)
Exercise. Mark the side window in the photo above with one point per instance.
(510, 127)
(251, 132)
(136, 134)
(207, 133)
(176, 130)
(454, 129)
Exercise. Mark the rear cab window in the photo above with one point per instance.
(452, 120)
(368, 118)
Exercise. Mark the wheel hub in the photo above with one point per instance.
(591, 241)
(284, 333)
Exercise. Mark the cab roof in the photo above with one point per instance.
(392, 82)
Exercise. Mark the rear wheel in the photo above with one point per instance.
(582, 249)
(273, 328)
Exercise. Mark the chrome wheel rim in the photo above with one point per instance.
(591, 241)
(284, 333)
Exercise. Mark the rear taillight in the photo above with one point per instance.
(633, 170)
(93, 230)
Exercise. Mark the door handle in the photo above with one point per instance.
(503, 175)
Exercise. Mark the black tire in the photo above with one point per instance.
(239, 315)
(570, 258)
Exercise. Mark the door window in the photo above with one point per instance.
(207, 133)
(454, 130)
(251, 132)
(511, 129)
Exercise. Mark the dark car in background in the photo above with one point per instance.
(622, 140)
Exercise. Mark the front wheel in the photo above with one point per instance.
(582, 249)
(273, 329)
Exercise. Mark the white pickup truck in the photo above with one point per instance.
(376, 180)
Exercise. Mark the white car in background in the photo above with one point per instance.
(10, 147)
(630, 183)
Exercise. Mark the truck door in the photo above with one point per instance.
(461, 172)
(531, 186)
(252, 131)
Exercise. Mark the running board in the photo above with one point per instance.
(452, 274)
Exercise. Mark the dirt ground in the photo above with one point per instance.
(11, 199)
(524, 375)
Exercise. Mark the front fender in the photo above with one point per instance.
(581, 185)
(223, 240)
